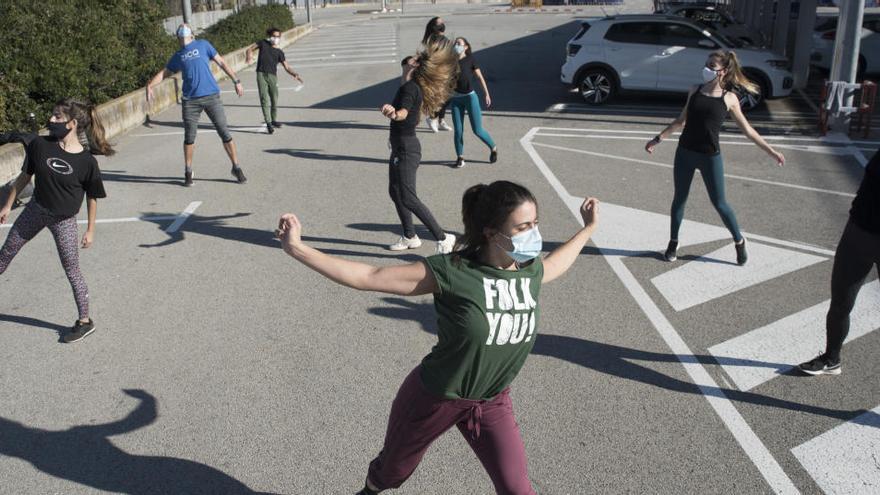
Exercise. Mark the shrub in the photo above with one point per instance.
(250, 24)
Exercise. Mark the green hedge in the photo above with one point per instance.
(247, 26)
(97, 49)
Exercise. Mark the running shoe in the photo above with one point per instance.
(446, 245)
(188, 179)
(741, 254)
(270, 129)
(670, 255)
(459, 163)
(821, 365)
(405, 243)
(239, 175)
(493, 156)
(79, 331)
(445, 126)
(432, 124)
(276, 124)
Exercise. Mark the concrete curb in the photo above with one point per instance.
(132, 109)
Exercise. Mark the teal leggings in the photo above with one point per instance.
(712, 169)
(471, 104)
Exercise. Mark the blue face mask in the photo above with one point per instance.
(184, 32)
(526, 245)
(459, 49)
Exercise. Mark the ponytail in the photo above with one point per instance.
(734, 78)
(97, 138)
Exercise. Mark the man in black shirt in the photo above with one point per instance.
(267, 69)
(857, 252)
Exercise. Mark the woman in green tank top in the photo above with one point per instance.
(486, 298)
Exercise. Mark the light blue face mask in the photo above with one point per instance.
(459, 49)
(184, 32)
(526, 245)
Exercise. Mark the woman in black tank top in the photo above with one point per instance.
(698, 147)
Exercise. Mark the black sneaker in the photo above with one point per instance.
(820, 366)
(276, 124)
(239, 175)
(459, 163)
(270, 129)
(669, 255)
(79, 331)
(493, 156)
(741, 254)
(188, 179)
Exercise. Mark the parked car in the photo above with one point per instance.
(825, 33)
(660, 53)
(719, 20)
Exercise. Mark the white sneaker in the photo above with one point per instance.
(445, 126)
(446, 245)
(432, 124)
(404, 243)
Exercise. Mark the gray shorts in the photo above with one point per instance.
(192, 110)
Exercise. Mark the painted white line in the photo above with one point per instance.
(733, 420)
(345, 56)
(292, 55)
(826, 139)
(823, 149)
(355, 62)
(730, 176)
(716, 274)
(845, 459)
(182, 217)
(117, 220)
(254, 90)
(560, 107)
(808, 100)
(348, 44)
(180, 133)
(672, 112)
(779, 346)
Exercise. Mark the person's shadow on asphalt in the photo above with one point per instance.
(619, 361)
(85, 454)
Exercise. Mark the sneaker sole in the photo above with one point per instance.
(403, 248)
(670, 259)
(835, 371)
(83, 336)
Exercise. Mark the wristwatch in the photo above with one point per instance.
(236, 81)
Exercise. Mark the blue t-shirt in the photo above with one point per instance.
(194, 60)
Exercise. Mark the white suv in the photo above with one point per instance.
(660, 53)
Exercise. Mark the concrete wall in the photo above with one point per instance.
(131, 110)
(200, 20)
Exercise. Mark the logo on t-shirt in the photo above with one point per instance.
(190, 54)
(510, 310)
(59, 166)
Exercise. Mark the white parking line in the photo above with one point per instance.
(347, 56)
(733, 420)
(831, 139)
(354, 62)
(182, 217)
(117, 220)
(730, 176)
(846, 459)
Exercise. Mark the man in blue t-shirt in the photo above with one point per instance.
(200, 93)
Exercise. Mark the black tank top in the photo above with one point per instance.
(705, 114)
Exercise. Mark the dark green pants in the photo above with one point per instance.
(268, 86)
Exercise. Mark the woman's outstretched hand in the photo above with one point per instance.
(590, 212)
(289, 232)
(649, 147)
(780, 160)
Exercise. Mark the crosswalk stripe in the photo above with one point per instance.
(716, 274)
(844, 459)
(760, 355)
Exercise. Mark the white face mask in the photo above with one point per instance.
(709, 75)
(274, 40)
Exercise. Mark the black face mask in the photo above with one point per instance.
(58, 130)
(440, 28)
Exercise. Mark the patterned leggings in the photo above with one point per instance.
(29, 224)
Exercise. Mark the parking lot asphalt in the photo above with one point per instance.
(220, 365)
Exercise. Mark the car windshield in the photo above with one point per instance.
(724, 39)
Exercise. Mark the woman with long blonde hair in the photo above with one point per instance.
(425, 86)
(698, 149)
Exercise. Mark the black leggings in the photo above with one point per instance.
(406, 153)
(857, 252)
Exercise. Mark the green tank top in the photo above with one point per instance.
(487, 320)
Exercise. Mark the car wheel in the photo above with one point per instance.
(596, 86)
(749, 101)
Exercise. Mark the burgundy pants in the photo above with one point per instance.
(419, 417)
